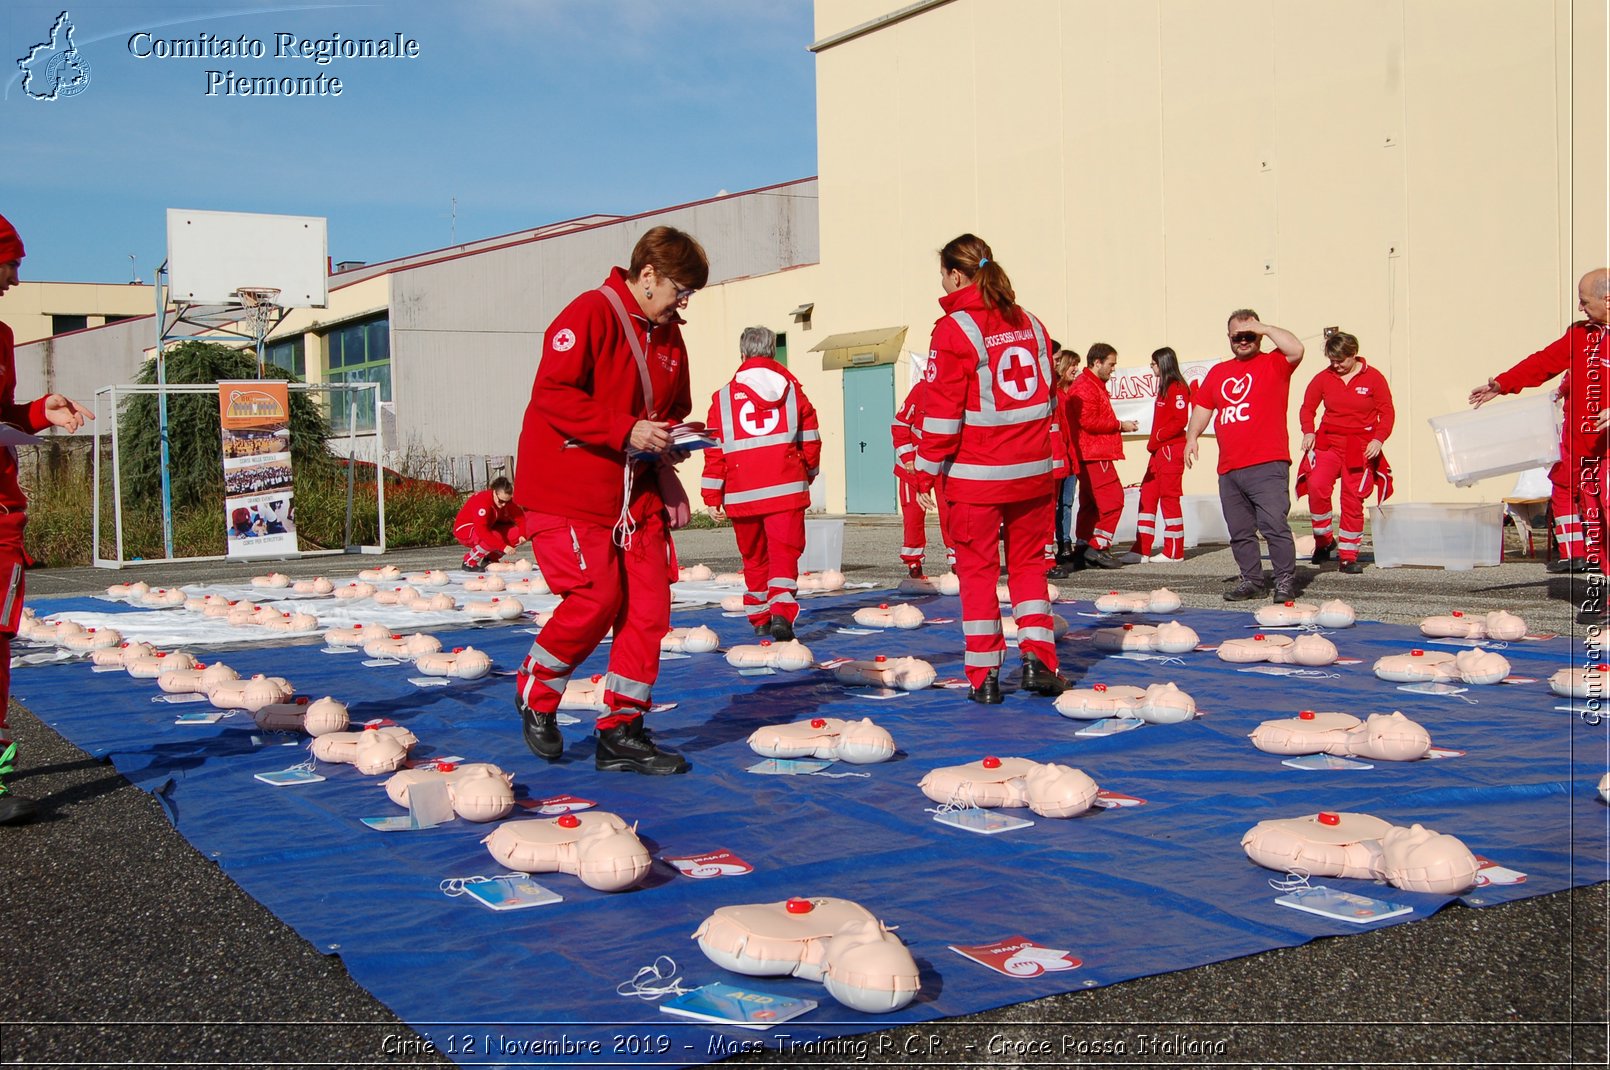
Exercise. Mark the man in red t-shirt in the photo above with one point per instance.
(1247, 397)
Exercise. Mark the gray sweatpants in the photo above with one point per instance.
(1257, 498)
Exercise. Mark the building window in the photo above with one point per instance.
(288, 353)
(782, 349)
(358, 352)
(113, 318)
(63, 324)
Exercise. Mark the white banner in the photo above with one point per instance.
(1134, 392)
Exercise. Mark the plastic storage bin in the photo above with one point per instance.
(1204, 520)
(824, 546)
(1498, 438)
(1454, 537)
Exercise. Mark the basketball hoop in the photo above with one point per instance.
(260, 305)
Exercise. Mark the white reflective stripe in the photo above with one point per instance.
(1317, 517)
(928, 465)
(911, 551)
(758, 596)
(1101, 533)
(906, 450)
(556, 684)
(781, 597)
(1145, 523)
(982, 627)
(1563, 520)
(783, 583)
(989, 414)
(775, 491)
(933, 425)
(623, 685)
(1569, 537)
(1350, 534)
(1033, 605)
(810, 436)
(711, 483)
(1174, 527)
(782, 438)
(1008, 417)
(985, 659)
(1001, 471)
(540, 655)
(1035, 635)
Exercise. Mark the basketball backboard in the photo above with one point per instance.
(213, 254)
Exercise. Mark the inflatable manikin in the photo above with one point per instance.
(791, 656)
(1586, 682)
(30, 627)
(155, 664)
(319, 717)
(495, 609)
(196, 681)
(1384, 737)
(122, 655)
(883, 615)
(243, 614)
(128, 590)
(480, 584)
(827, 580)
(402, 647)
(597, 847)
(948, 583)
(373, 750)
(1048, 789)
(733, 603)
(1604, 787)
(357, 635)
(1416, 859)
(272, 579)
(395, 596)
(1161, 600)
(1003, 594)
(1476, 666)
(695, 574)
(291, 622)
(250, 695)
(900, 674)
(461, 663)
(1497, 625)
(383, 574)
(526, 585)
(835, 941)
(1059, 626)
(856, 742)
(221, 609)
(918, 585)
(355, 590)
(434, 577)
(541, 617)
(1332, 614)
(317, 585)
(728, 579)
(479, 791)
(509, 566)
(1157, 704)
(162, 597)
(440, 602)
(700, 640)
(584, 693)
(1170, 638)
(1307, 649)
(63, 630)
(94, 639)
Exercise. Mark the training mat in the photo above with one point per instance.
(1125, 891)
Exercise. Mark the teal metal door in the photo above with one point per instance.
(869, 482)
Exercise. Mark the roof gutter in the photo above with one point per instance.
(879, 23)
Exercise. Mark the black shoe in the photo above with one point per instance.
(1568, 564)
(1100, 559)
(1078, 564)
(914, 570)
(1065, 554)
(467, 567)
(781, 629)
(1322, 553)
(1244, 590)
(628, 748)
(988, 693)
(1058, 571)
(14, 809)
(1285, 592)
(541, 732)
(1352, 568)
(1040, 679)
(764, 628)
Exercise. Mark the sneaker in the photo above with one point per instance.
(782, 629)
(474, 568)
(628, 748)
(1042, 680)
(1058, 571)
(541, 732)
(1131, 558)
(1164, 559)
(988, 693)
(1100, 559)
(1285, 592)
(1323, 551)
(1243, 591)
(1352, 568)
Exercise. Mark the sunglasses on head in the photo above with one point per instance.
(1243, 338)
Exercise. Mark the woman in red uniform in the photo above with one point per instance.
(595, 450)
(986, 444)
(1345, 448)
(1160, 489)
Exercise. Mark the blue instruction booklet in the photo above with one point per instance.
(747, 1008)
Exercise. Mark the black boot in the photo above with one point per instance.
(782, 629)
(541, 732)
(1041, 680)
(1095, 558)
(988, 693)
(14, 809)
(764, 628)
(1064, 553)
(1322, 552)
(627, 748)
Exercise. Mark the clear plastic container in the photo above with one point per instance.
(1499, 438)
(1454, 537)
(824, 546)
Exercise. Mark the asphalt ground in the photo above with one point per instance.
(124, 946)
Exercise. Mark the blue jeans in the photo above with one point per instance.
(1067, 505)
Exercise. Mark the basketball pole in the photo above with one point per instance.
(162, 408)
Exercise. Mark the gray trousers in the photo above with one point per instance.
(1257, 498)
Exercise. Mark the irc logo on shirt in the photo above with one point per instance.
(1235, 393)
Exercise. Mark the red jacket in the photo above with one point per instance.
(29, 417)
(1095, 424)
(906, 430)
(1170, 414)
(481, 510)
(585, 400)
(771, 445)
(987, 405)
(1356, 410)
(1580, 348)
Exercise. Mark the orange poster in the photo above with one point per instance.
(255, 417)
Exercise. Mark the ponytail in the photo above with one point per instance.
(971, 255)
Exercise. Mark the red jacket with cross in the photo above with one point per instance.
(770, 443)
(482, 511)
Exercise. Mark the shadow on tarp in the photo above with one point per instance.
(1130, 891)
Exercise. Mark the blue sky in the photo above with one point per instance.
(526, 111)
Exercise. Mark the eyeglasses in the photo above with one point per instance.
(682, 293)
(1243, 338)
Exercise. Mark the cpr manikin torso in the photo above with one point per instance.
(479, 791)
(460, 663)
(1307, 649)
(1586, 682)
(502, 608)
(1048, 789)
(828, 738)
(901, 615)
(373, 751)
(596, 846)
(1332, 614)
(1435, 666)
(791, 656)
(316, 718)
(1497, 625)
(1161, 600)
(250, 695)
(699, 640)
(901, 674)
(1170, 638)
(404, 647)
(827, 580)
(357, 635)
(1384, 737)
(1416, 859)
(1157, 704)
(835, 941)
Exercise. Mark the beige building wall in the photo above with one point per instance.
(1428, 174)
(28, 307)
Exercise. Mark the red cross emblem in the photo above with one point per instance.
(757, 423)
(1017, 374)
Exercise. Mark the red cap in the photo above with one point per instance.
(991, 762)
(799, 906)
(1417, 653)
(1458, 613)
(1129, 627)
(446, 767)
(765, 642)
(880, 658)
(1291, 603)
(1601, 668)
(1112, 592)
(817, 722)
(883, 605)
(1098, 687)
(1329, 818)
(1259, 636)
(568, 821)
(597, 676)
(10, 242)
(1305, 715)
(458, 650)
(302, 700)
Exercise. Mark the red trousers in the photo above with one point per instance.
(771, 546)
(976, 531)
(1160, 491)
(1580, 498)
(1328, 469)
(1101, 503)
(600, 587)
(12, 589)
(485, 543)
(914, 521)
